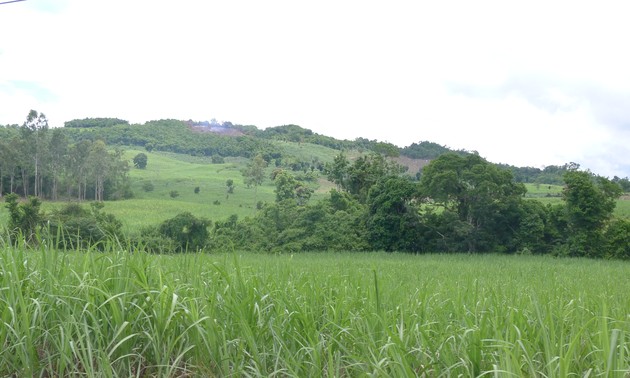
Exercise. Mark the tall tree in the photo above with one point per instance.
(589, 205)
(58, 153)
(99, 167)
(392, 215)
(254, 174)
(35, 132)
(482, 200)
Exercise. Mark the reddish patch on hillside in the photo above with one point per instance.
(413, 165)
(220, 130)
(215, 128)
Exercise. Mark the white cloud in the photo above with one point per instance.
(528, 83)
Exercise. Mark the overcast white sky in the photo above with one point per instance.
(528, 83)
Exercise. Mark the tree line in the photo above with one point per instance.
(42, 162)
(462, 203)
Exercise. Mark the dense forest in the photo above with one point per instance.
(459, 202)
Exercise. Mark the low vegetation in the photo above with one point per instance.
(132, 314)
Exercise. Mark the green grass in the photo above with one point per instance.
(623, 208)
(183, 173)
(120, 314)
(543, 190)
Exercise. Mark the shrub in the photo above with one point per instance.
(148, 186)
(187, 231)
(24, 218)
(140, 161)
(73, 227)
(174, 194)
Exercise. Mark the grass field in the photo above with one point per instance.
(390, 315)
(543, 190)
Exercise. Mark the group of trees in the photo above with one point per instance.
(38, 161)
(462, 203)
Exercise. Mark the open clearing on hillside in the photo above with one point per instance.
(122, 314)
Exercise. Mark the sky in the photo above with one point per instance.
(527, 83)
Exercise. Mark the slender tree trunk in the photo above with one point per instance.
(24, 183)
(54, 188)
(36, 176)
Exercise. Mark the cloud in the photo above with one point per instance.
(528, 84)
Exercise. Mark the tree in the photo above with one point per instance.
(140, 161)
(285, 186)
(34, 131)
(99, 167)
(337, 171)
(58, 152)
(254, 174)
(189, 232)
(589, 205)
(392, 217)
(229, 185)
(357, 178)
(482, 201)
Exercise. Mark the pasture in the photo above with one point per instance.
(375, 314)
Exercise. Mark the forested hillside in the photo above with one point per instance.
(305, 192)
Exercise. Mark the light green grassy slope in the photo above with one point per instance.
(182, 173)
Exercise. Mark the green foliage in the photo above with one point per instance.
(140, 161)
(172, 136)
(254, 173)
(329, 225)
(187, 231)
(589, 204)
(624, 183)
(386, 149)
(481, 201)
(428, 150)
(357, 178)
(95, 122)
(229, 184)
(25, 219)
(173, 194)
(148, 186)
(290, 189)
(393, 221)
(73, 227)
(120, 314)
(551, 174)
(617, 239)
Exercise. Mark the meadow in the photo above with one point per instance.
(199, 315)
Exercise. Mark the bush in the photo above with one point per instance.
(73, 227)
(187, 231)
(617, 237)
(174, 194)
(140, 161)
(148, 186)
(25, 218)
